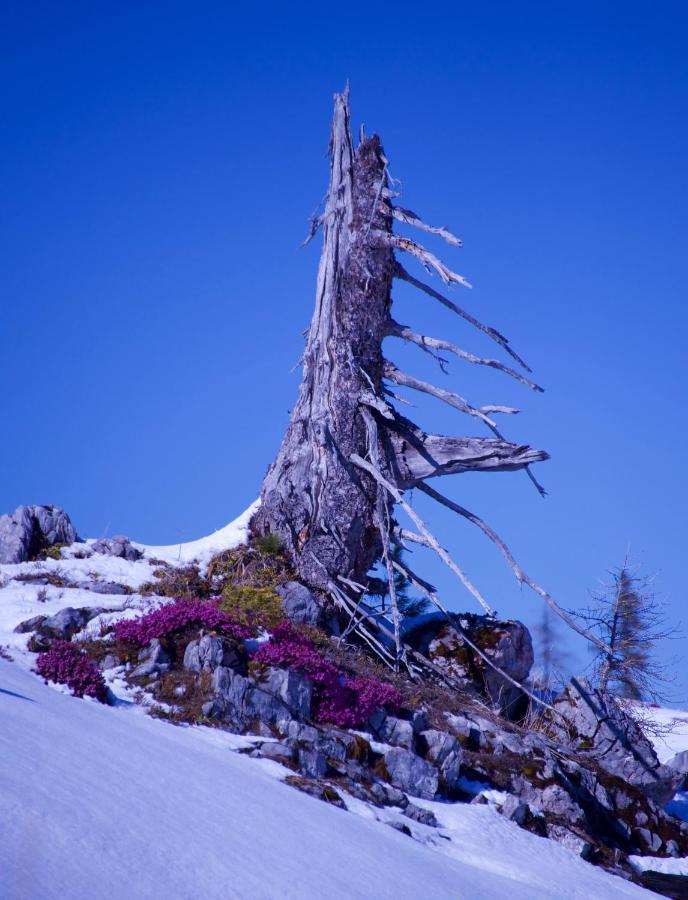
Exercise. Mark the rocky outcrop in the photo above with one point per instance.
(154, 660)
(30, 530)
(507, 644)
(597, 726)
(60, 627)
(119, 546)
(208, 653)
(410, 773)
(278, 697)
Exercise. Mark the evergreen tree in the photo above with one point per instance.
(378, 589)
(627, 615)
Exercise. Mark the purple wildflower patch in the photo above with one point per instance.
(337, 698)
(66, 664)
(173, 617)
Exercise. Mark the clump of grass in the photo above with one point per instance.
(269, 544)
(185, 581)
(260, 563)
(54, 551)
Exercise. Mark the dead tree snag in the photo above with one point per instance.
(348, 455)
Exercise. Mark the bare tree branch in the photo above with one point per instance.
(410, 218)
(431, 594)
(413, 515)
(521, 576)
(394, 329)
(401, 273)
(395, 375)
(428, 259)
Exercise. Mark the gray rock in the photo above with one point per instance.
(119, 546)
(397, 732)
(277, 750)
(652, 841)
(280, 696)
(568, 839)
(300, 604)
(67, 622)
(30, 624)
(515, 810)
(154, 652)
(443, 751)
(30, 529)
(153, 660)
(150, 668)
(679, 764)
(109, 662)
(312, 763)
(307, 734)
(206, 654)
(507, 644)
(388, 795)
(603, 730)
(292, 688)
(418, 814)
(411, 774)
(106, 587)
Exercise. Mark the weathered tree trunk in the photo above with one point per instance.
(318, 502)
(348, 455)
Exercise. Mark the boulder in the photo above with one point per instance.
(281, 695)
(153, 660)
(391, 730)
(119, 546)
(300, 604)
(507, 644)
(444, 752)
(31, 529)
(420, 815)
(207, 653)
(410, 773)
(107, 587)
(598, 726)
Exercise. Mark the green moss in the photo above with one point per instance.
(254, 606)
(54, 551)
(487, 638)
(269, 544)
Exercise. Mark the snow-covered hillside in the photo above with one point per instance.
(106, 802)
(101, 802)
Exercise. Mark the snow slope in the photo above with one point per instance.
(102, 802)
(106, 802)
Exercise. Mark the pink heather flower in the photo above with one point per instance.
(66, 664)
(173, 617)
(338, 699)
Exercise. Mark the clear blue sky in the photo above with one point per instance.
(159, 162)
